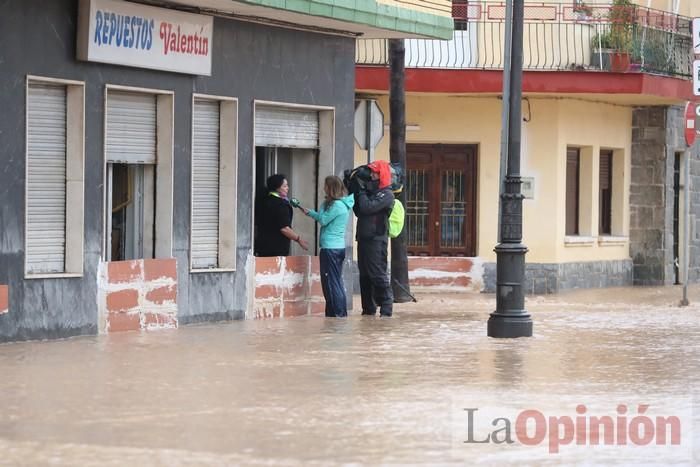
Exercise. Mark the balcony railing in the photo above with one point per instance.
(556, 37)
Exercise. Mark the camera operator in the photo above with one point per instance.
(373, 202)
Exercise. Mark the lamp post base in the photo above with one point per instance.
(504, 326)
(510, 318)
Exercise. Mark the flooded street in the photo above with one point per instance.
(317, 391)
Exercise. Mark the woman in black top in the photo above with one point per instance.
(274, 220)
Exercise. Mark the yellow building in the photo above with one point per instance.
(602, 142)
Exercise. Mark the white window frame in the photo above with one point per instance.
(75, 175)
(164, 168)
(589, 191)
(228, 182)
(326, 144)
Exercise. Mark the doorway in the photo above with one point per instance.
(300, 166)
(133, 158)
(299, 142)
(130, 204)
(676, 217)
(441, 200)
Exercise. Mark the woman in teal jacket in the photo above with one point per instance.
(333, 218)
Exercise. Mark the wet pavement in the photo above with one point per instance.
(362, 391)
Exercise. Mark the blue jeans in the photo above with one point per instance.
(331, 260)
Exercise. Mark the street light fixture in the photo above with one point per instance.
(510, 318)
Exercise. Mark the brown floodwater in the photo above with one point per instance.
(363, 391)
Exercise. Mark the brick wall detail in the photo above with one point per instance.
(287, 286)
(4, 299)
(448, 274)
(138, 295)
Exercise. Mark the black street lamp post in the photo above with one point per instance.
(510, 318)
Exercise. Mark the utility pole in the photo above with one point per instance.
(510, 318)
(397, 153)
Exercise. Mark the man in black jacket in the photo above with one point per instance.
(372, 208)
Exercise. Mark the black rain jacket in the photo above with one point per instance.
(372, 210)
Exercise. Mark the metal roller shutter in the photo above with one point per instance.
(286, 127)
(205, 184)
(46, 179)
(131, 128)
(573, 168)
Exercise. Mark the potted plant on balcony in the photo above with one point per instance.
(622, 22)
(601, 50)
(615, 43)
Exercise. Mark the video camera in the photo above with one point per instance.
(359, 178)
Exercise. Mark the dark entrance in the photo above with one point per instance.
(441, 200)
(676, 217)
(301, 167)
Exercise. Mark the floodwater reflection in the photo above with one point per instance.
(317, 391)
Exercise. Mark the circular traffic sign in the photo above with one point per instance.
(690, 114)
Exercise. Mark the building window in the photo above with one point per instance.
(573, 169)
(214, 157)
(605, 185)
(297, 141)
(138, 153)
(54, 177)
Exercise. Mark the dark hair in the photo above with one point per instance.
(275, 181)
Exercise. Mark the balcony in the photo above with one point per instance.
(556, 37)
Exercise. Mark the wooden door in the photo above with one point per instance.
(441, 200)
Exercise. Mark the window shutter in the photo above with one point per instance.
(605, 195)
(46, 179)
(286, 127)
(131, 128)
(205, 184)
(572, 192)
(605, 170)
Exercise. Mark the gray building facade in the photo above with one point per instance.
(659, 153)
(250, 63)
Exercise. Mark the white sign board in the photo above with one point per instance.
(527, 187)
(131, 34)
(696, 77)
(696, 36)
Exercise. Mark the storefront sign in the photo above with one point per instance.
(125, 33)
